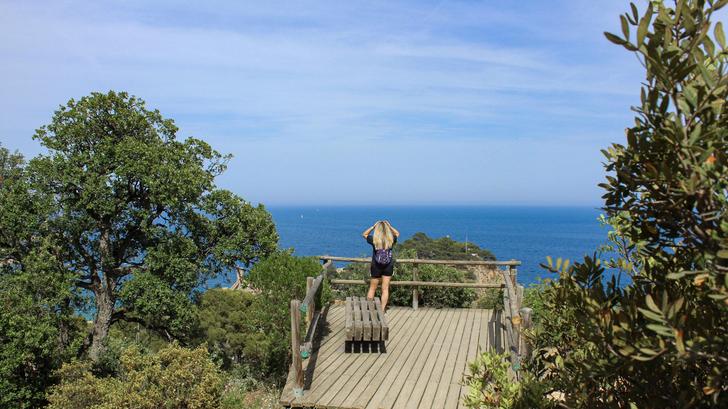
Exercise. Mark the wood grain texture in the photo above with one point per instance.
(425, 359)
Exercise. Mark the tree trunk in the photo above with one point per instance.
(105, 297)
(102, 322)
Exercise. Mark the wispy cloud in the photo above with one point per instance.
(265, 75)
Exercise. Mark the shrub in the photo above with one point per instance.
(38, 330)
(282, 276)
(242, 329)
(174, 377)
(659, 341)
(490, 386)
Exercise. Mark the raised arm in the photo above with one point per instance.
(395, 231)
(367, 231)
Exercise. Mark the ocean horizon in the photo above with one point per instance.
(525, 233)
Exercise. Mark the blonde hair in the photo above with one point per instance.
(383, 236)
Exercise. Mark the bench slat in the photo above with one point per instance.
(349, 319)
(374, 318)
(382, 319)
(365, 320)
(357, 319)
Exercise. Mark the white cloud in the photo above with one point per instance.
(333, 76)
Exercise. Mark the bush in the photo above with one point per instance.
(38, 330)
(243, 390)
(174, 377)
(282, 276)
(490, 386)
(242, 329)
(489, 299)
(660, 341)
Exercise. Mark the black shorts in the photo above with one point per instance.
(378, 270)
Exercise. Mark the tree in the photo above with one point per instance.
(661, 340)
(132, 213)
(38, 329)
(10, 164)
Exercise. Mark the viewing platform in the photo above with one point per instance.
(421, 367)
(423, 362)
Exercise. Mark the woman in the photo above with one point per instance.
(382, 239)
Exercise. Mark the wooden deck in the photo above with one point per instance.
(421, 367)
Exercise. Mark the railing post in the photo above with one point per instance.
(523, 347)
(415, 289)
(309, 311)
(296, 348)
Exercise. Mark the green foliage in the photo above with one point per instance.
(490, 299)
(422, 246)
(245, 391)
(11, 165)
(443, 248)
(279, 278)
(174, 377)
(132, 213)
(402, 295)
(491, 387)
(37, 328)
(283, 276)
(659, 341)
(243, 330)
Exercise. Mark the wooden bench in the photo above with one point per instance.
(365, 321)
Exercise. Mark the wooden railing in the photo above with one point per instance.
(310, 306)
(517, 318)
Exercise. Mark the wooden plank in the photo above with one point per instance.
(372, 396)
(470, 338)
(374, 318)
(357, 318)
(441, 363)
(382, 319)
(425, 261)
(480, 331)
(418, 354)
(354, 375)
(336, 314)
(366, 383)
(330, 381)
(366, 325)
(414, 387)
(349, 319)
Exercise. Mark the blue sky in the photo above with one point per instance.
(346, 102)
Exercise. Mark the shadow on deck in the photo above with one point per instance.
(425, 359)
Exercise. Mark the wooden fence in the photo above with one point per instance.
(516, 317)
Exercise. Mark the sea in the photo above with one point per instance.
(528, 234)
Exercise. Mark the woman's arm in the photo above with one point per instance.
(367, 231)
(395, 231)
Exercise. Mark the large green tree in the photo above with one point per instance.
(131, 213)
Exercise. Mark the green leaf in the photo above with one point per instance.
(615, 39)
(661, 329)
(644, 24)
(719, 35)
(651, 304)
(625, 26)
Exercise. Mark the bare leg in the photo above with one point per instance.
(385, 291)
(373, 283)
